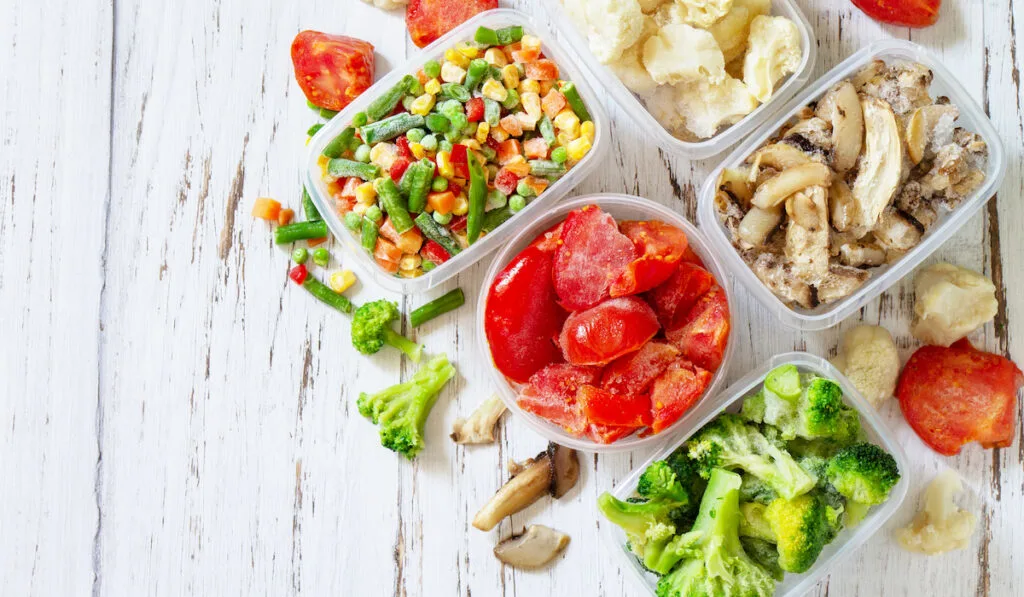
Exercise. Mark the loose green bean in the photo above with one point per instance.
(326, 295)
(437, 307)
(309, 208)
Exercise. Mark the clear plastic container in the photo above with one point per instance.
(847, 542)
(621, 207)
(972, 117)
(647, 123)
(571, 71)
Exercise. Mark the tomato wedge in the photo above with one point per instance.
(605, 434)
(910, 13)
(592, 255)
(549, 240)
(332, 70)
(617, 410)
(634, 373)
(675, 391)
(659, 246)
(552, 391)
(522, 316)
(702, 334)
(599, 335)
(428, 20)
(674, 298)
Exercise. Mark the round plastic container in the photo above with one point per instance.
(495, 19)
(972, 117)
(847, 542)
(621, 207)
(647, 123)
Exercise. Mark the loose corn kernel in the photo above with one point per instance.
(578, 148)
(587, 130)
(499, 134)
(495, 57)
(461, 205)
(342, 281)
(445, 167)
(510, 75)
(383, 155)
(452, 73)
(417, 150)
(457, 58)
(360, 208)
(568, 121)
(565, 138)
(366, 194)
(422, 105)
(531, 103)
(529, 86)
(494, 90)
(482, 130)
(433, 87)
(468, 51)
(530, 42)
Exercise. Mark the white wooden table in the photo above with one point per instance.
(178, 419)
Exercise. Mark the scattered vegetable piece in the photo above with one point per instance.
(535, 548)
(449, 301)
(371, 330)
(530, 481)
(300, 231)
(950, 303)
(266, 209)
(479, 427)
(332, 70)
(939, 525)
(868, 357)
(909, 13)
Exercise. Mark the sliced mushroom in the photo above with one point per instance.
(868, 74)
(881, 166)
(776, 189)
(758, 223)
(841, 107)
(842, 207)
(781, 156)
(736, 182)
(896, 231)
(554, 471)
(911, 200)
(812, 136)
(479, 427)
(565, 469)
(859, 254)
(903, 85)
(927, 125)
(729, 213)
(841, 282)
(532, 549)
(807, 235)
(778, 277)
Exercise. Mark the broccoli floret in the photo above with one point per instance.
(648, 526)
(764, 554)
(753, 523)
(659, 481)
(688, 474)
(371, 330)
(722, 568)
(817, 412)
(728, 442)
(802, 529)
(863, 473)
(855, 513)
(815, 466)
(401, 411)
(756, 490)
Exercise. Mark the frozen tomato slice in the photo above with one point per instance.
(604, 333)
(523, 315)
(911, 13)
(701, 335)
(617, 410)
(690, 257)
(659, 248)
(605, 434)
(957, 395)
(549, 240)
(634, 373)
(332, 70)
(428, 20)
(552, 394)
(592, 255)
(673, 298)
(675, 391)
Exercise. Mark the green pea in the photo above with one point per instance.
(524, 189)
(300, 255)
(321, 257)
(432, 69)
(374, 214)
(362, 153)
(360, 119)
(495, 200)
(439, 184)
(429, 142)
(516, 203)
(438, 123)
(442, 219)
(559, 155)
(353, 222)
(459, 121)
(416, 135)
(453, 136)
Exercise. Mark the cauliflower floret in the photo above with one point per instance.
(774, 52)
(732, 31)
(387, 4)
(663, 104)
(703, 13)
(951, 303)
(630, 70)
(939, 526)
(681, 53)
(613, 26)
(649, 6)
(868, 357)
(707, 106)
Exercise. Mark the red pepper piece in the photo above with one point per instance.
(399, 167)
(475, 109)
(506, 181)
(298, 274)
(434, 252)
(403, 147)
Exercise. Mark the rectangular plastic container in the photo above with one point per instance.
(494, 19)
(730, 400)
(566, 29)
(972, 117)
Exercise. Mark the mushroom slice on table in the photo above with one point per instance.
(841, 107)
(775, 190)
(534, 548)
(807, 234)
(881, 166)
(565, 469)
(554, 471)
(479, 427)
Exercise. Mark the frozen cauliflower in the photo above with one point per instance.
(868, 357)
(630, 70)
(612, 27)
(732, 31)
(951, 302)
(387, 4)
(663, 104)
(649, 6)
(707, 106)
(680, 53)
(939, 526)
(703, 13)
(773, 51)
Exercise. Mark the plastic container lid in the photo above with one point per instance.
(571, 71)
(972, 117)
(621, 207)
(649, 125)
(847, 542)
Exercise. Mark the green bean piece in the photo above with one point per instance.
(455, 91)
(314, 129)
(390, 127)
(353, 221)
(360, 119)
(369, 235)
(492, 112)
(478, 69)
(321, 257)
(432, 69)
(572, 96)
(419, 186)
(300, 255)
(391, 199)
(497, 217)
(309, 208)
(437, 307)
(486, 36)
(327, 114)
(547, 130)
(477, 199)
(386, 102)
(374, 214)
(438, 123)
(290, 233)
(326, 295)
(509, 35)
(434, 232)
(340, 167)
(546, 168)
(512, 100)
(340, 144)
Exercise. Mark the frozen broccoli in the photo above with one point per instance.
(764, 554)
(728, 442)
(756, 490)
(716, 563)
(688, 474)
(802, 529)
(753, 522)
(659, 481)
(863, 473)
(401, 411)
(649, 529)
(817, 411)
(371, 330)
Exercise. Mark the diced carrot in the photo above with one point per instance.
(537, 184)
(344, 204)
(512, 126)
(316, 241)
(536, 148)
(408, 242)
(387, 230)
(508, 150)
(541, 70)
(553, 103)
(518, 167)
(266, 209)
(284, 216)
(442, 203)
(388, 266)
(349, 190)
(386, 251)
(422, 77)
(334, 187)
(526, 55)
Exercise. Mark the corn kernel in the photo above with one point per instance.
(529, 86)
(417, 150)
(410, 273)
(495, 57)
(471, 144)
(482, 130)
(494, 90)
(445, 167)
(433, 87)
(510, 75)
(568, 121)
(383, 155)
(468, 51)
(457, 58)
(587, 130)
(452, 73)
(499, 134)
(531, 103)
(422, 105)
(546, 87)
(528, 122)
(360, 208)
(578, 148)
(530, 42)
(461, 205)
(366, 194)
(565, 138)
(342, 281)
(409, 261)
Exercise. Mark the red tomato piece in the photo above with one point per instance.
(659, 247)
(434, 252)
(672, 394)
(332, 70)
(550, 239)
(552, 391)
(910, 13)
(702, 334)
(957, 395)
(428, 20)
(542, 70)
(634, 373)
(398, 167)
(475, 109)
(603, 333)
(592, 255)
(506, 181)
(522, 316)
(673, 298)
(604, 434)
(690, 257)
(298, 274)
(616, 410)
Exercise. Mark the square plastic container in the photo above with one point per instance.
(570, 71)
(847, 542)
(972, 117)
(649, 125)
(621, 207)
